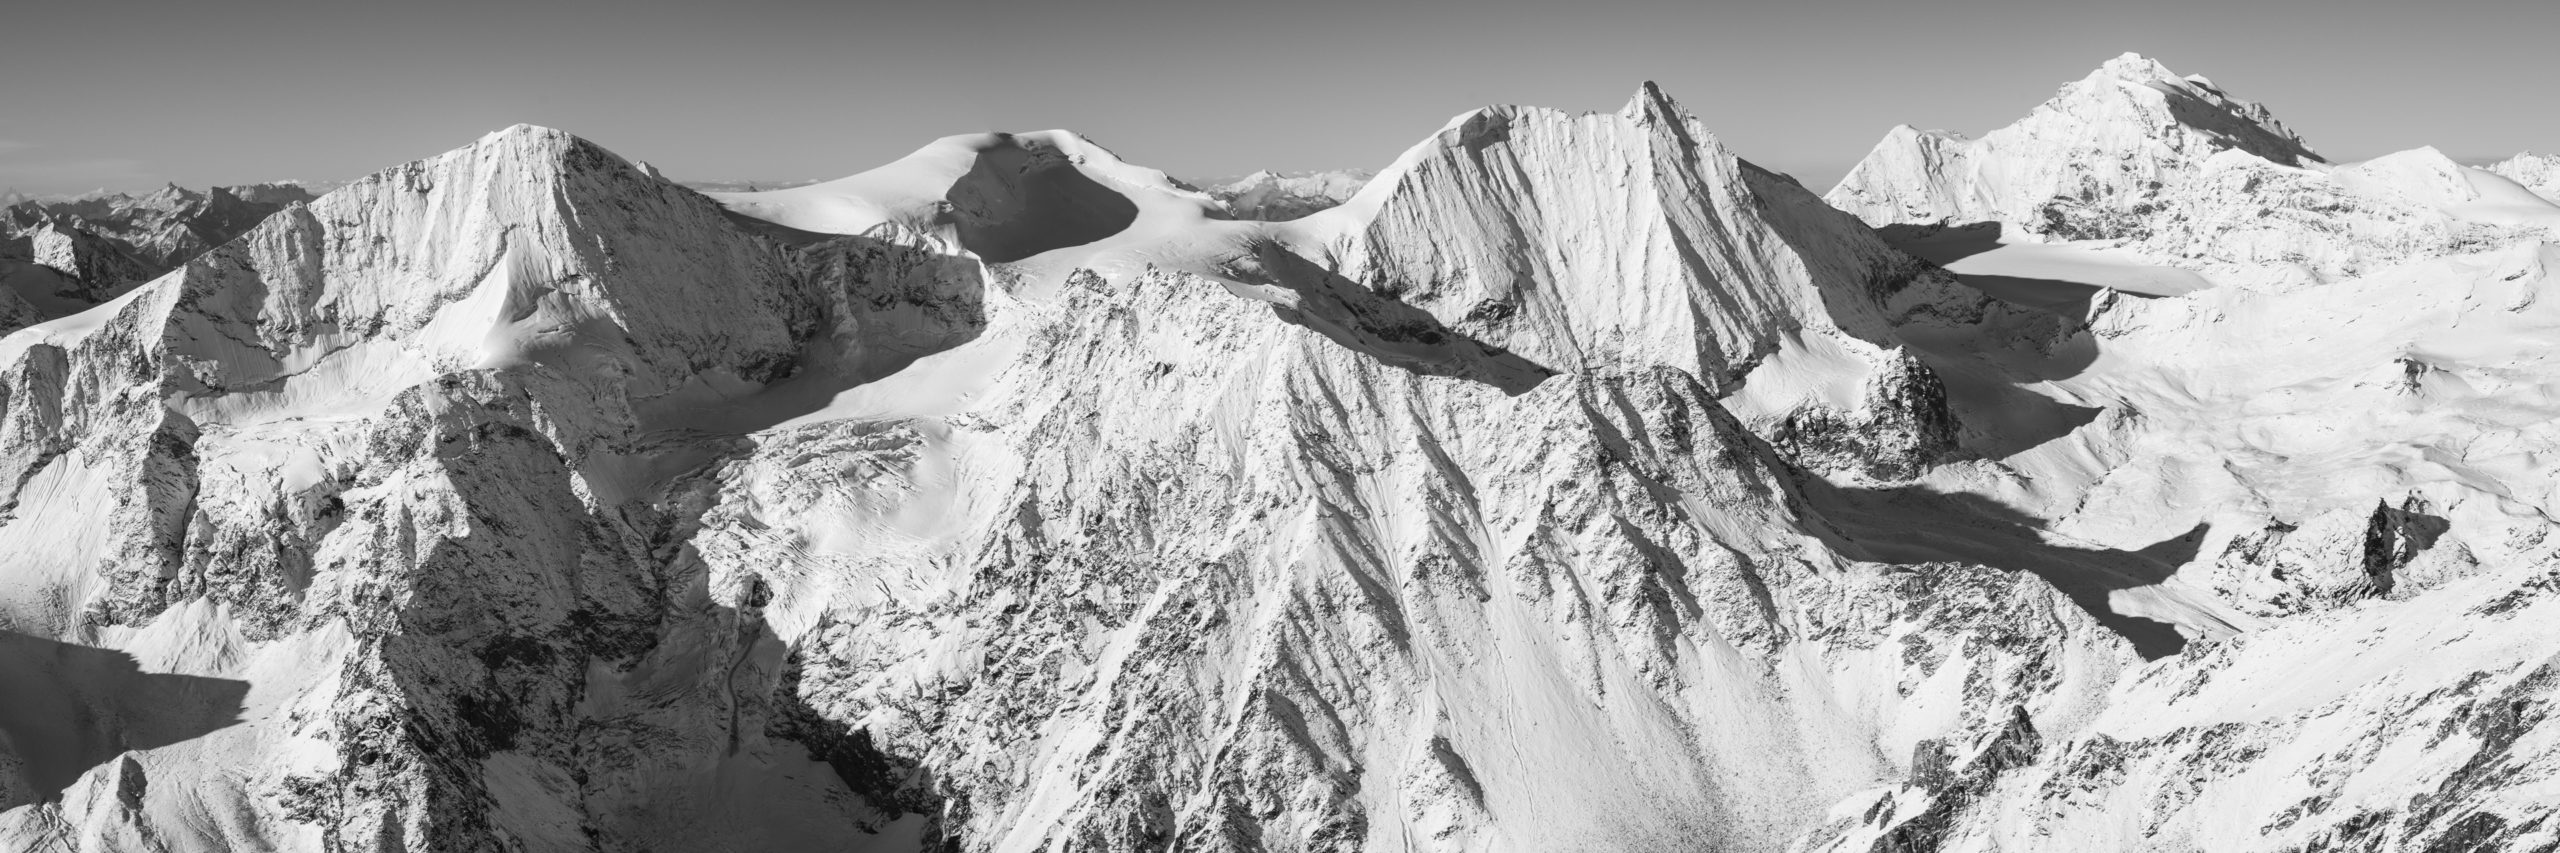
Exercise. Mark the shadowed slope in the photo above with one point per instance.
(1002, 196)
(66, 708)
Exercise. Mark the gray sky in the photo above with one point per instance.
(132, 94)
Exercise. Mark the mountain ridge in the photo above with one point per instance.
(1573, 484)
(2143, 127)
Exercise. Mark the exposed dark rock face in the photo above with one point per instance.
(2337, 558)
(1904, 427)
(1953, 782)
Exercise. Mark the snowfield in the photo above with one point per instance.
(2130, 478)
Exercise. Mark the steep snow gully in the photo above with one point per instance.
(2130, 478)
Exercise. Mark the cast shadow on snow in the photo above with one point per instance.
(2001, 346)
(1365, 321)
(1914, 524)
(1944, 245)
(1317, 298)
(1051, 205)
(2029, 331)
(692, 703)
(869, 798)
(1997, 418)
(929, 303)
(66, 708)
(1007, 207)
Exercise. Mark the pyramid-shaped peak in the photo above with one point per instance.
(2177, 104)
(1653, 108)
(550, 147)
(1649, 97)
(2078, 164)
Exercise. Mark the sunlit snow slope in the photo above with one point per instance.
(2325, 392)
(1573, 484)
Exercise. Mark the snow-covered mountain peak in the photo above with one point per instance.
(1682, 254)
(1002, 196)
(2259, 224)
(2424, 172)
(1276, 197)
(2537, 172)
(1649, 110)
(530, 142)
(2194, 104)
(1650, 102)
(2135, 67)
(2077, 165)
(530, 245)
(1576, 485)
(2177, 169)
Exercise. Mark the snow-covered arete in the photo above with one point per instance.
(1573, 485)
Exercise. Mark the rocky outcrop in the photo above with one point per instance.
(2336, 558)
(1946, 779)
(1901, 429)
(2277, 741)
(15, 312)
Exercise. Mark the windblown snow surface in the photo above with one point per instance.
(1573, 484)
